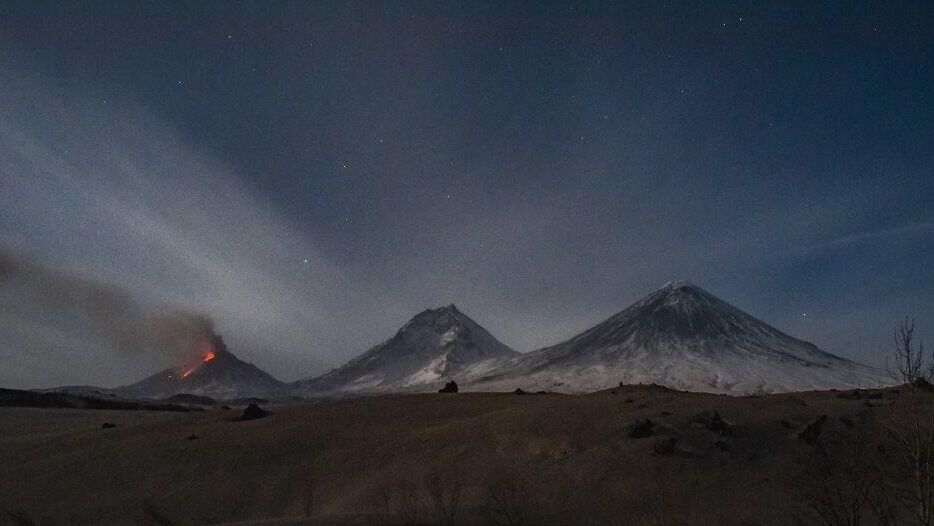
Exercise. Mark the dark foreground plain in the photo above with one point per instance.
(632, 455)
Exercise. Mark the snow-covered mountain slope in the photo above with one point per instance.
(683, 337)
(433, 347)
(217, 374)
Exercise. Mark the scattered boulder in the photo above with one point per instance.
(641, 429)
(254, 412)
(811, 433)
(667, 413)
(629, 400)
(193, 437)
(712, 421)
(847, 421)
(665, 446)
(721, 445)
(450, 387)
(108, 425)
(519, 391)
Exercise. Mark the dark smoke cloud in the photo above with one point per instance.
(97, 311)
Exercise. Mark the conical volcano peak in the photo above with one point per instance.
(681, 295)
(434, 346)
(440, 311)
(682, 286)
(682, 309)
(679, 284)
(684, 337)
(214, 372)
(441, 318)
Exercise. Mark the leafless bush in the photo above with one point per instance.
(308, 497)
(910, 363)
(912, 429)
(399, 503)
(843, 483)
(445, 488)
(508, 500)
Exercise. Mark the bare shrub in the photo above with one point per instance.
(308, 496)
(910, 363)
(509, 500)
(445, 489)
(911, 431)
(843, 483)
(399, 503)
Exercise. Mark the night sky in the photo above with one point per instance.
(311, 175)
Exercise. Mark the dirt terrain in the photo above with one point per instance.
(464, 458)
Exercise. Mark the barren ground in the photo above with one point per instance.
(543, 458)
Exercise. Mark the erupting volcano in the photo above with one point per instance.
(216, 373)
(208, 354)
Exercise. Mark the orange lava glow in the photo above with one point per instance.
(207, 354)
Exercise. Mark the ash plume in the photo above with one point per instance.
(43, 297)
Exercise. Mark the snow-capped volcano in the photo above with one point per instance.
(683, 337)
(217, 373)
(434, 346)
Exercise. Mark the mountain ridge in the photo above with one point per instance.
(218, 374)
(433, 346)
(683, 337)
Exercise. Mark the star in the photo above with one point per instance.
(305, 261)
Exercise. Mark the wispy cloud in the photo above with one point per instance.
(872, 236)
(112, 194)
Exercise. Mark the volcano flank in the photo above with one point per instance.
(217, 373)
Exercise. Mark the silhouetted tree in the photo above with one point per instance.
(912, 429)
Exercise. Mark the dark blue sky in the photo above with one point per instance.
(540, 165)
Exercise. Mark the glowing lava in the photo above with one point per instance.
(208, 354)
